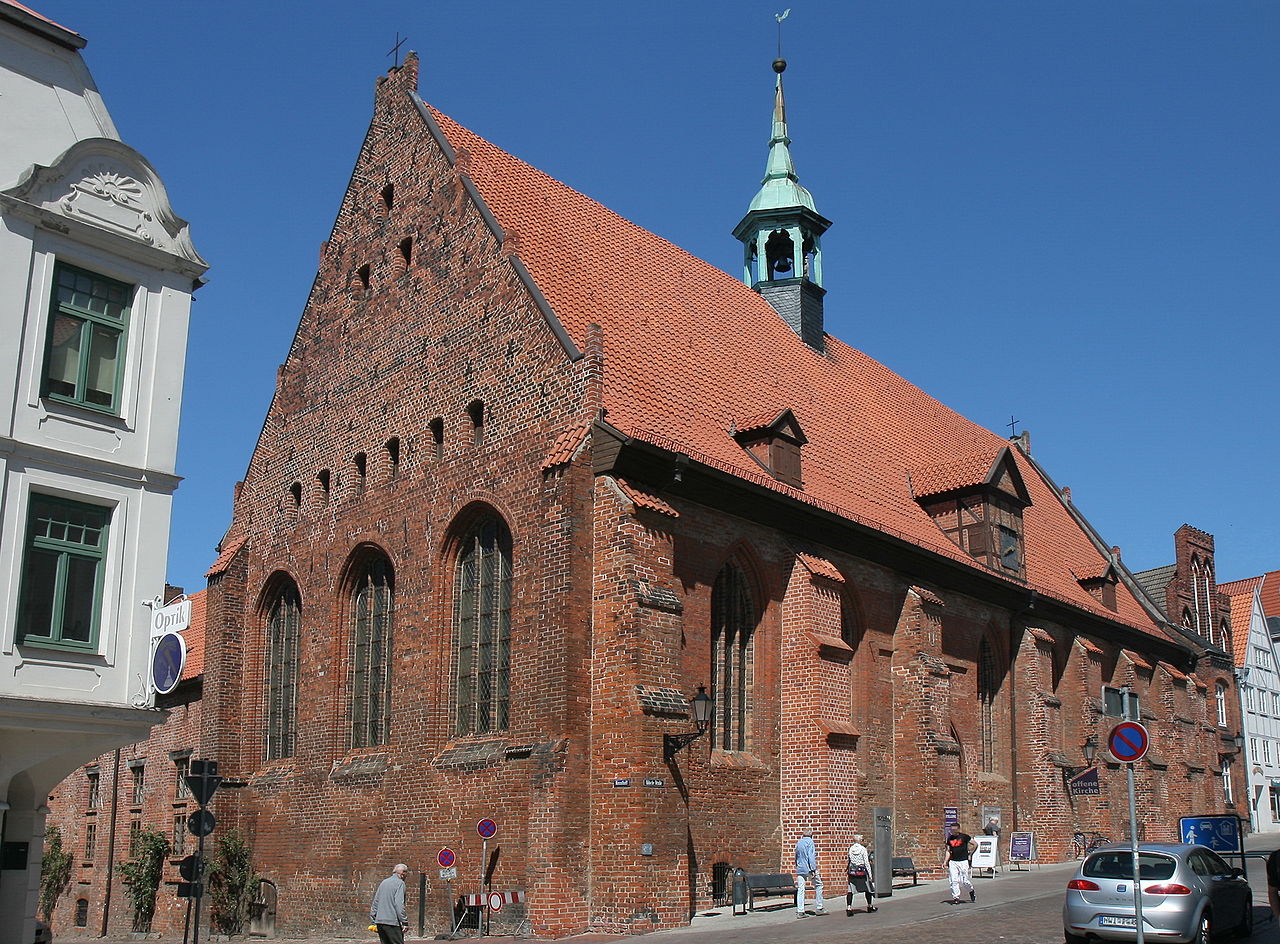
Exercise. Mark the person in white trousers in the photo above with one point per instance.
(959, 848)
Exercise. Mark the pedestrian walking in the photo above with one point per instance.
(807, 869)
(387, 910)
(957, 851)
(860, 879)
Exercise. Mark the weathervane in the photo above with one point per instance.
(395, 50)
(780, 17)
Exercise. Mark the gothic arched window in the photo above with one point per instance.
(372, 608)
(988, 686)
(482, 628)
(1220, 703)
(283, 622)
(733, 623)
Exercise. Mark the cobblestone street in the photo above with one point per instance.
(1021, 907)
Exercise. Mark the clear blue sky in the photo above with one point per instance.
(1064, 211)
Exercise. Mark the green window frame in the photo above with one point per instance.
(62, 573)
(88, 330)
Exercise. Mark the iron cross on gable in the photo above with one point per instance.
(395, 50)
(1013, 425)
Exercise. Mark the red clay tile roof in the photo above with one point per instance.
(820, 567)
(224, 559)
(194, 637)
(642, 497)
(1271, 593)
(1040, 635)
(565, 447)
(39, 16)
(945, 476)
(758, 420)
(928, 596)
(1241, 593)
(1095, 571)
(688, 349)
(1088, 645)
(1138, 660)
(1176, 673)
(843, 728)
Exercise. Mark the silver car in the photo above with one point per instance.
(1189, 893)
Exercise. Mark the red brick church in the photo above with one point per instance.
(533, 475)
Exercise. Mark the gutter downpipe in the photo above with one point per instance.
(111, 845)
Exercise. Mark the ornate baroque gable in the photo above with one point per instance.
(107, 185)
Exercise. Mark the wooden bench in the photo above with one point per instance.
(902, 866)
(780, 883)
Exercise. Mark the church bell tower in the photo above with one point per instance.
(781, 236)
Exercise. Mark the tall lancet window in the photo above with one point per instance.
(482, 627)
(283, 622)
(733, 623)
(371, 616)
(988, 686)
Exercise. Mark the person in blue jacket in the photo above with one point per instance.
(807, 869)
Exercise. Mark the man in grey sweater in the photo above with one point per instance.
(387, 910)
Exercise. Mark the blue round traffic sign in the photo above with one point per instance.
(445, 857)
(487, 828)
(167, 662)
(1128, 741)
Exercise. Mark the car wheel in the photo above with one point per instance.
(1204, 933)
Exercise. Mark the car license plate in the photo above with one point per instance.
(1117, 921)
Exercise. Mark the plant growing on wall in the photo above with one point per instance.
(142, 873)
(55, 872)
(232, 884)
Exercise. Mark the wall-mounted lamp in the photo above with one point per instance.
(700, 704)
(1238, 740)
(1090, 749)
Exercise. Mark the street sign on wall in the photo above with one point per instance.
(1128, 741)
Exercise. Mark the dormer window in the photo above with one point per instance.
(1100, 582)
(977, 501)
(774, 441)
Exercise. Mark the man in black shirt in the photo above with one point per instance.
(959, 847)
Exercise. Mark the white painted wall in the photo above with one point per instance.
(1260, 694)
(72, 192)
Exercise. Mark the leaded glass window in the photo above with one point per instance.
(733, 623)
(482, 624)
(371, 612)
(988, 686)
(283, 624)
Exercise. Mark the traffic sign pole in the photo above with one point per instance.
(1133, 838)
(1128, 742)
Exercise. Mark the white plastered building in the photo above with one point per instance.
(1255, 655)
(96, 278)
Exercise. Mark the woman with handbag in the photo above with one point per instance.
(859, 875)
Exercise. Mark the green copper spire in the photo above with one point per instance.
(781, 235)
(780, 188)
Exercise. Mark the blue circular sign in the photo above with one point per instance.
(445, 857)
(487, 828)
(167, 661)
(1128, 741)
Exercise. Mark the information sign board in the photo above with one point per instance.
(1022, 847)
(987, 854)
(1085, 783)
(1221, 833)
(168, 658)
(449, 874)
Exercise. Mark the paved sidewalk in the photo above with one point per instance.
(1015, 907)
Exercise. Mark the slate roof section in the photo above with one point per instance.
(1155, 582)
(689, 349)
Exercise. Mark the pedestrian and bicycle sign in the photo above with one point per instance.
(1221, 833)
(1128, 741)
